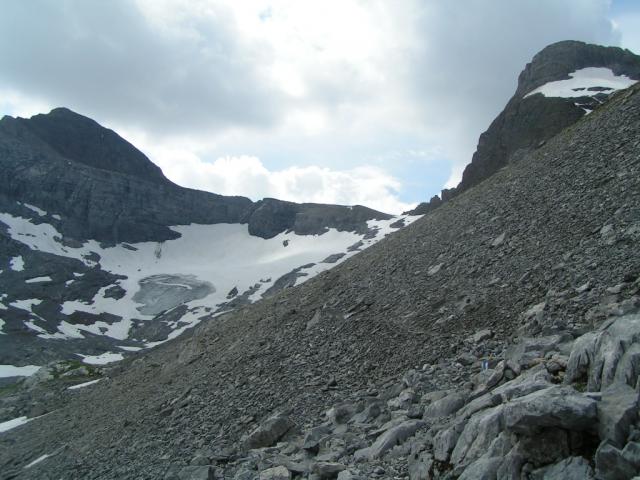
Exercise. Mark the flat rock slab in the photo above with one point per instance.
(557, 406)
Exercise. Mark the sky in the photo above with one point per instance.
(372, 102)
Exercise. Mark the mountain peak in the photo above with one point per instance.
(83, 140)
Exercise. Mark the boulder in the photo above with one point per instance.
(269, 432)
(572, 468)
(478, 434)
(557, 406)
(617, 411)
(482, 469)
(611, 465)
(446, 406)
(196, 473)
(275, 473)
(389, 439)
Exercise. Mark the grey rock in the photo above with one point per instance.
(446, 406)
(609, 355)
(445, 441)
(482, 469)
(572, 468)
(479, 336)
(478, 434)
(555, 406)
(314, 436)
(269, 432)
(389, 439)
(631, 453)
(617, 411)
(275, 473)
(328, 469)
(611, 465)
(197, 473)
(420, 465)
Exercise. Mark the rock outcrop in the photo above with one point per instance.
(527, 121)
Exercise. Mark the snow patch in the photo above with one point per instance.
(39, 279)
(16, 264)
(102, 359)
(581, 81)
(16, 422)
(37, 460)
(82, 385)
(39, 211)
(26, 304)
(13, 371)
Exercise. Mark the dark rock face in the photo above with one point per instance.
(105, 189)
(527, 122)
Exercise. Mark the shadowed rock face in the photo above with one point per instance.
(106, 189)
(526, 122)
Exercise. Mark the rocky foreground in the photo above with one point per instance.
(498, 337)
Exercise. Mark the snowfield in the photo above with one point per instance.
(204, 269)
(585, 82)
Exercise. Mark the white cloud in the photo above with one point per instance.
(331, 85)
(247, 176)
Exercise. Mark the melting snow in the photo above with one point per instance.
(38, 279)
(225, 255)
(16, 422)
(17, 264)
(102, 359)
(82, 385)
(580, 82)
(13, 371)
(37, 460)
(39, 211)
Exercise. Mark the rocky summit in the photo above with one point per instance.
(563, 82)
(497, 337)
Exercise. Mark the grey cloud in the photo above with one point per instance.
(104, 57)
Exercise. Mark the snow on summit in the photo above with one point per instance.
(585, 82)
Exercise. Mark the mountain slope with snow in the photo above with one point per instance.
(101, 255)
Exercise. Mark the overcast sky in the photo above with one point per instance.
(348, 101)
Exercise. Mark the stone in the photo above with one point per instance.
(195, 472)
(482, 469)
(445, 441)
(269, 432)
(340, 414)
(479, 336)
(556, 406)
(275, 473)
(389, 439)
(611, 465)
(617, 411)
(347, 475)
(525, 353)
(314, 436)
(446, 406)
(609, 355)
(572, 468)
(478, 434)
(420, 465)
(499, 240)
(631, 453)
(328, 469)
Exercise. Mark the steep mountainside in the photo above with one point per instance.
(101, 255)
(563, 82)
(545, 248)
